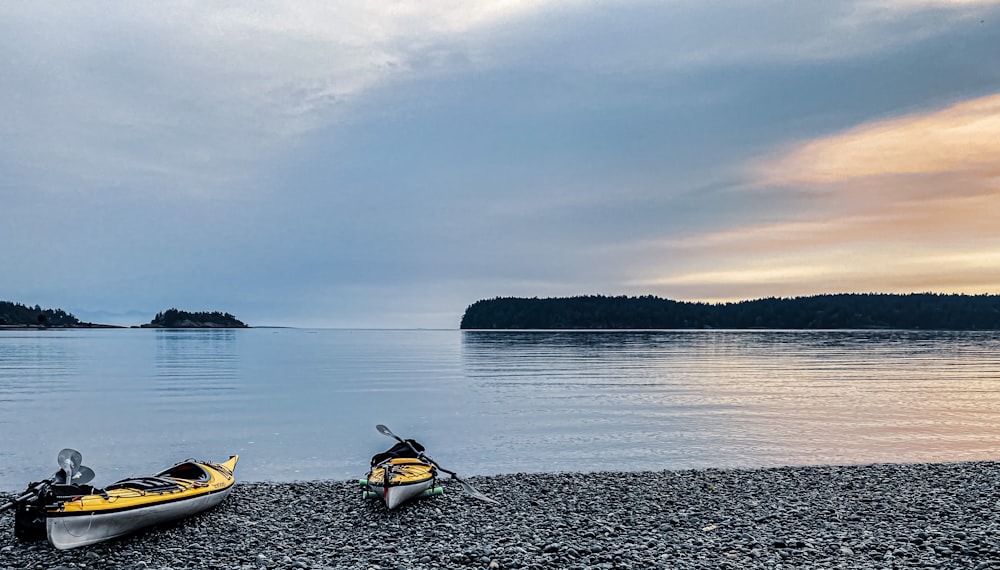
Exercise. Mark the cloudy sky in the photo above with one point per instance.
(386, 164)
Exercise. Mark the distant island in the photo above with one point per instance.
(921, 311)
(19, 316)
(175, 319)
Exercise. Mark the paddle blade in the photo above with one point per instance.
(83, 475)
(476, 494)
(73, 456)
(384, 430)
(69, 460)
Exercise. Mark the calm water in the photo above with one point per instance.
(301, 404)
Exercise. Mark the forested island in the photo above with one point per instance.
(19, 316)
(175, 319)
(16, 315)
(926, 311)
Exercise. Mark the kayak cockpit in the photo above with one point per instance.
(167, 481)
(186, 470)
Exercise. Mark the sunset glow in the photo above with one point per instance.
(962, 138)
(901, 205)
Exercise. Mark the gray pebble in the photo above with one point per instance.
(864, 517)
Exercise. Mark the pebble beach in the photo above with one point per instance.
(943, 515)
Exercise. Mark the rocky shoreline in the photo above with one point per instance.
(869, 516)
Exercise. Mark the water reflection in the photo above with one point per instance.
(196, 364)
(32, 364)
(700, 398)
(302, 404)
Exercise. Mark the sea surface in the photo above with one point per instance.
(302, 404)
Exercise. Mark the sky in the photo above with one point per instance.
(387, 164)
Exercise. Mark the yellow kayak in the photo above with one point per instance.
(404, 472)
(78, 515)
(408, 478)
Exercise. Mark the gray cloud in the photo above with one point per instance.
(341, 165)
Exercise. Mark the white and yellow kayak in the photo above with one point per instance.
(404, 472)
(398, 480)
(78, 515)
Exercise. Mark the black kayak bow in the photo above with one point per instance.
(384, 430)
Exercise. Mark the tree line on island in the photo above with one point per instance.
(175, 319)
(927, 311)
(16, 315)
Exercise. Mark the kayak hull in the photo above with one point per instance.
(186, 489)
(70, 532)
(407, 479)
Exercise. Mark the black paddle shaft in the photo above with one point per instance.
(33, 491)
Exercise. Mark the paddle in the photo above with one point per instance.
(468, 488)
(70, 471)
(73, 472)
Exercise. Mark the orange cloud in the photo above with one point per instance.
(909, 204)
(963, 137)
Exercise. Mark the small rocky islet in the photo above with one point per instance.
(177, 319)
(866, 516)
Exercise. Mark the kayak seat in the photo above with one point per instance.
(146, 484)
(411, 448)
(186, 470)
